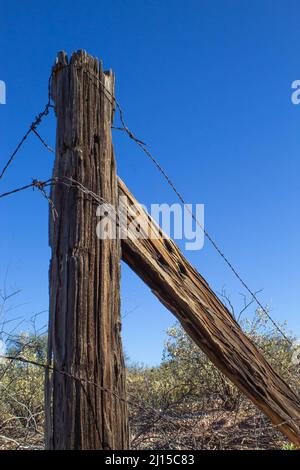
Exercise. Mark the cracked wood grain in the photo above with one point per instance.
(84, 327)
(161, 265)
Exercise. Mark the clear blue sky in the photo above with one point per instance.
(207, 85)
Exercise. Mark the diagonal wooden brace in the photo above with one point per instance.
(161, 265)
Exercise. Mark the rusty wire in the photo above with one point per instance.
(70, 182)
(53, 369)
(163, 172)
(31, 129)
(109, 95)
(37, 121)
(105, 389)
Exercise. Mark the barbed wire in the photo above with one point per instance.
(31, 129)
(143, 146)
(163, 172)
(22, 188)
(41, 185)
(61, 372)
(43, 141)
(47, 367)
(51, 368)
(37, 121)
(71, 182)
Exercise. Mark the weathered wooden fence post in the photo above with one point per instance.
(84, 326)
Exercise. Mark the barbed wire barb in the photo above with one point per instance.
(163, 172)
(37, 121)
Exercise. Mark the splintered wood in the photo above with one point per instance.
(161, 265)
(86, 403)
(84, 329)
